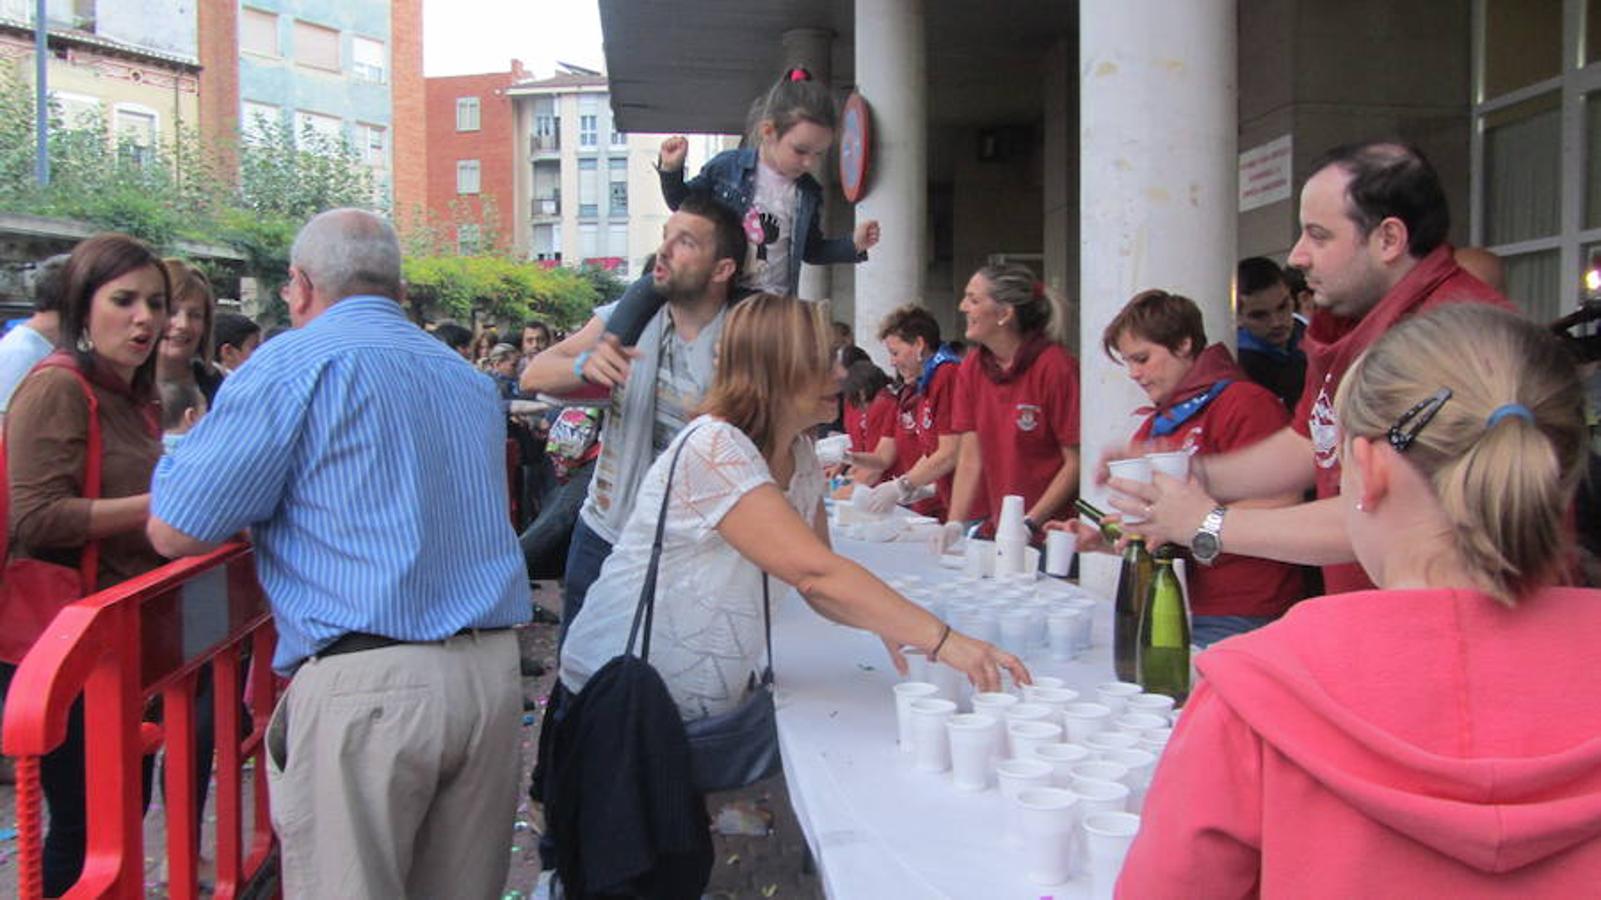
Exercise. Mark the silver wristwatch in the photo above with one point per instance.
(1207, 544)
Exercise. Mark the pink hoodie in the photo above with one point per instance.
(1421, 743)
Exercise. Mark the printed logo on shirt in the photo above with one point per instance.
(1324, 429)
(928, 418)
(1028, 416)
(908, 420)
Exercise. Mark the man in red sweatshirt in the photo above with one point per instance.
(1373, 226)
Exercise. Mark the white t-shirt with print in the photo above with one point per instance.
(773, 210)
(707, 638)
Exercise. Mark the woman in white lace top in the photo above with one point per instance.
(746, 499)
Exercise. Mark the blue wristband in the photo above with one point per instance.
(578, 365)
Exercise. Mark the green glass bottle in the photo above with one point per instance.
(1164, 645)
(1133, 583)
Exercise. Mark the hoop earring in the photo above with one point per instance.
(85, 345)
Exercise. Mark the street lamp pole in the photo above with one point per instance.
(41, 102)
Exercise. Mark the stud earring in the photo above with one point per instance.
(1360, 507)
(85, 345)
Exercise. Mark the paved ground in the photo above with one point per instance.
(766, 865)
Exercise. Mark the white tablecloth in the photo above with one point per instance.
(876, 827)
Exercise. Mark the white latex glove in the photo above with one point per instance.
(882, 498)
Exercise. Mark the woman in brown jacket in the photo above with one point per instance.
(113, 314)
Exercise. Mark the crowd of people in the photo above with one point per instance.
(1389, 432)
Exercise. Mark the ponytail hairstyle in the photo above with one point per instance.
(793, 99)
(1505, 451)
(1039, 310)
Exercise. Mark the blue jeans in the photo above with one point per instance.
(1208, 630)
(585, 554)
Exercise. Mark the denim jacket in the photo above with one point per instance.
(730, 176)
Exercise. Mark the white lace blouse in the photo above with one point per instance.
(707, 639)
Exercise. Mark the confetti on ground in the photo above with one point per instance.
(770, 890)
(732, 860)
(528, 719)
(7, 834)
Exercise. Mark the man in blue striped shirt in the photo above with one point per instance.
(367, 460)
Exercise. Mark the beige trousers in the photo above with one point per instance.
(394, 772)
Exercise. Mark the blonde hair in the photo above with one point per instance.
(1039, 309)
(1505, 481)
(773, 354)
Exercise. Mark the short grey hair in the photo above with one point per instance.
(349, 251)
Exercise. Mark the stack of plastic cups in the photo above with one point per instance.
(1011, 538)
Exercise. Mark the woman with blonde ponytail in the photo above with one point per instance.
(1441, 734)
(1016, 401)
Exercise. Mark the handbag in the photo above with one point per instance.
(732, 749)
(32, 591)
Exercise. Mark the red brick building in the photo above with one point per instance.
(473, 155)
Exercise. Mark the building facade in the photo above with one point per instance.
(134, 64)
(346, 70)
(473, 167)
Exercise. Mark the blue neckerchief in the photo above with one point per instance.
(1169, 422)
(941, 356)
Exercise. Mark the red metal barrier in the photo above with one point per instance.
(149, 637)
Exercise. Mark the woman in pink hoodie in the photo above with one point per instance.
(1439, 736)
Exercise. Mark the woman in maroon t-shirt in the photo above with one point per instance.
(1202, 402)
(870, 411)
(1016, 401)
(925, 447)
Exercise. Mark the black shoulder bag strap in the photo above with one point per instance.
(645, 612)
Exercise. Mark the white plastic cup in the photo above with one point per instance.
(1049, 681)
(978, 558)
(1095, 797)
(1011, 515)
(972, 739)
(1059, 548)
(1062, 758)
(1058, 697)
(905, 693)
(931, 749)
(1107, 837)
(916, 663)
(1082, 638)
(1114, 695)
(1137, 469)
(1011, 556)
(1048, 818)
(996, 705)
(1141, 765)
(1174, 464)
(1139, 723)
(1013, 777)
(1099, 770)
(1156, 704)
(1155, 740)
(1107, 741)
(1027, 736)
(1085, 719)
(1015, 632)
(1060, 626)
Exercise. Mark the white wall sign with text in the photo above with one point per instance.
(1265, 172)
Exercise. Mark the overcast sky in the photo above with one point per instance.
(466, 37)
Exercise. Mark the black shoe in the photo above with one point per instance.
(543, 616)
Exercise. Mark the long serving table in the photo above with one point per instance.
(878, 828)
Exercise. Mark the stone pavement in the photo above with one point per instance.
(747, 867)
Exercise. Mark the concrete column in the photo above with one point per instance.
(890, 73)
(1157, 175)
(812, 48)
(1061, 178)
